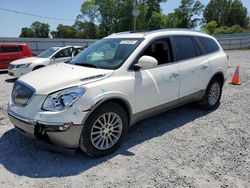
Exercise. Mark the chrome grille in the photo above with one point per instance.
(21, 93)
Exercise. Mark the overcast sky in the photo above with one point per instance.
(11, 23)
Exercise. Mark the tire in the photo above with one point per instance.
(38, 67)
(211, 99)
(98, 141)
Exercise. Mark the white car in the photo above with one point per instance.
(91, 101)
(50, 56)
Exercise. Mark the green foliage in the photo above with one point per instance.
(65, 31)
(210, 27)
(187, 14)
(111, 16)
(228, 30)
(36, 30)
(99, 18)
(226, 13)
(26, 32)
(213, 29)
(41, 30)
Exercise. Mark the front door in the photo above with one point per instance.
(62, 56)
(158, 85)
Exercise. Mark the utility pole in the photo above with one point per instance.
(135, 13)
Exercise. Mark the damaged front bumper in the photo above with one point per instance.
(61, 136)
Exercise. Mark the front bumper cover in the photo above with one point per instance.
(48, 134)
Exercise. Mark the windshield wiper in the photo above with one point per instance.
(86, 65)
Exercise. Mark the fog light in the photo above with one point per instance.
(64, 127)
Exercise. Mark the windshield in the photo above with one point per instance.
(107, 53)
(48, 52)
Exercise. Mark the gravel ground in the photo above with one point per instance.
(185, 147)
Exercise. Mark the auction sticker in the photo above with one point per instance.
(128, 42)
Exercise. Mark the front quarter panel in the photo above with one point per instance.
(114, 87)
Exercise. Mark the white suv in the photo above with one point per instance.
(50, 56)
(91, 101)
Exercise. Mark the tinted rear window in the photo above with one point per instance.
(9, 49)
(209, 44)
(185, 47)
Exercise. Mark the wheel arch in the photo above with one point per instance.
(38, 67)
(118, 100)
(219, 75)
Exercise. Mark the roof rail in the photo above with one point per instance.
(120, 33)
(147, 32)
(175, 29)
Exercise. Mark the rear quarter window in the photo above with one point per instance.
(209, 44)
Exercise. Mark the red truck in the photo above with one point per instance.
(12, 51)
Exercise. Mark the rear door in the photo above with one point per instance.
(192, 63)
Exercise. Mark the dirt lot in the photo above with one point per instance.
(185, 147)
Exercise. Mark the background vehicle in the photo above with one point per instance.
(50, 56)
(116, 82)
(12, 51)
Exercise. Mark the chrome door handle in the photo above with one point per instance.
(174, 75)
(204, 67)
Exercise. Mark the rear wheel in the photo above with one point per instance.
(211, 99)
(104, 130)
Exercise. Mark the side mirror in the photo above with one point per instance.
(146, 62)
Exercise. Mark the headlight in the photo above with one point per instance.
(23, 65)
(63, 99)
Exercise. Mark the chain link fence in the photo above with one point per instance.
(38, 45)
(234, 41)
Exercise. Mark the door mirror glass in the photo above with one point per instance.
(146, 62)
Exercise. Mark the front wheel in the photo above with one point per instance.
(211, 99)
(104, 130)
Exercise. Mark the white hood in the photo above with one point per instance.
(59, 76)
(28, 60)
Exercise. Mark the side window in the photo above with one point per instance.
(10, 49)
(209, 44)
(185, 47)
(160, 50)
(77, 51)
(64, 53)
(199, 51)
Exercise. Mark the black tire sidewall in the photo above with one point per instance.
(205, 103)
(85, 140)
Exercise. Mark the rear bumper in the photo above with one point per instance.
(48, 134)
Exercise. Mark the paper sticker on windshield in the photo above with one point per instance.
(128, 42)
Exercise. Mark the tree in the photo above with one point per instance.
(228, 30)
(187, 14)
(109, 16)
(65, 31)
(87, 30)
(41, 30)
(226, 13)
(210, 27)
(36, 30)
(27, 32)
(157, 21)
